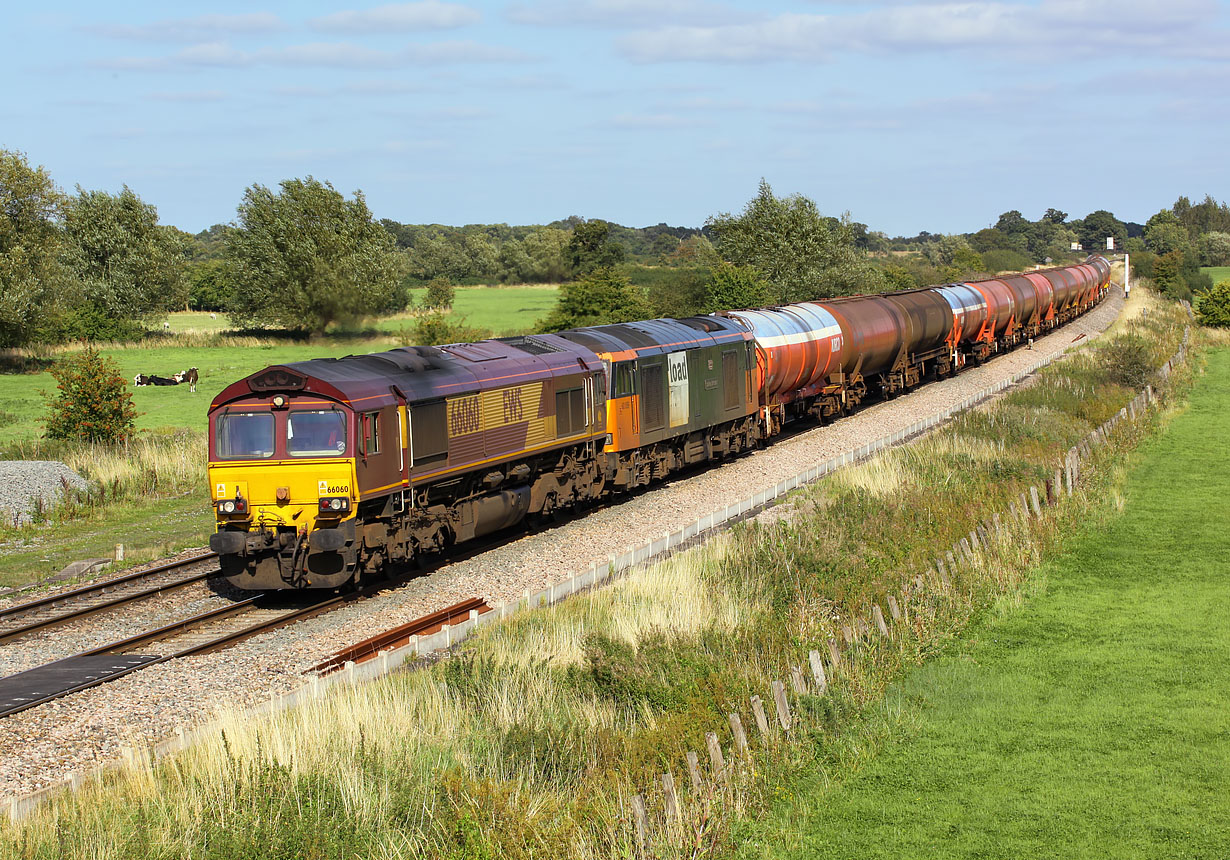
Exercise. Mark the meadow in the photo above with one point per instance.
(1090, 723)
(1217, 273)
(530, 741)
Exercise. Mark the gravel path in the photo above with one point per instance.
(47, 743)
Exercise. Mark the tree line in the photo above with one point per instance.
(99, 266)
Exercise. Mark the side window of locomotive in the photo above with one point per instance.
(316, 433)
(371, 432)
(625, 380)
(429, 432)
(569, 412)
(730, 379)
(244, 435)
(653, 404)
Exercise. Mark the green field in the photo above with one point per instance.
(1217, 273)
(1093, 723)
(503, 310)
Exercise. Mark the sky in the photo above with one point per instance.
(907, 115)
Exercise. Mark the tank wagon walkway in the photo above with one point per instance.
(1093, 723)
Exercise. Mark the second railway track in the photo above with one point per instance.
(66, 607)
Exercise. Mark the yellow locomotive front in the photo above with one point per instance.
(282, 479)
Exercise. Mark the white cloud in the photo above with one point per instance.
(621, 13)
(195, 29)
(1063, 28)
(398, 18)
(346, 55)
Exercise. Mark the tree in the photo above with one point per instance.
(599, 298)
(1168, 274)
(734, 287)
(1213, 306)
(1164, 233)
(306, 257)
(1013, 222)
(1215, 249)
(1055, 216)
(33, 277)
(1093, 229)
(94, 403)
(208, 289)
(439, 295)
(591, 248)
(131, 268)
(800, 254)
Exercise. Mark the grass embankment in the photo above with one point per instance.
(531, 741)
(1095, 722)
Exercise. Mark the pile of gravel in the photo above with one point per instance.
(24, 482)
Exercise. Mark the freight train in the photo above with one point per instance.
(323, 472)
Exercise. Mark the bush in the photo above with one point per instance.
(438, 327)
(1213, 306)
(1000, 260)
(94, 403)
(1128, 361)
(440, 293)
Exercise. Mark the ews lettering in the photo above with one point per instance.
(513, 410)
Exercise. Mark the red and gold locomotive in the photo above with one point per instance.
(324, 471)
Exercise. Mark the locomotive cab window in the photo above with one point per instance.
(624, 382)
(244, 435)
(371, 433)
(316, 433)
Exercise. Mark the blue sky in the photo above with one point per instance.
(908, 115)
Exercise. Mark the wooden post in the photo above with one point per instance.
(1024, 508)
(939, 565)
(671, 796)
(893, 609)
(1048, 490)
(834, 653)
(999, 526)
(762, 722)
(797, 682)
(952, 562)
(736, 732)
(783, 707)
(1033, 498)
(1012, 511)
(847, 633)
(878, 616)
(817, 671)
(640, 819)
(119, 552)
(715, 754)
(966, 549)
(694, 772)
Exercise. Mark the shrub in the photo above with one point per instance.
(1213, 306)
(440, 293)
(94, 403)
(438, 327)
(1128, 361)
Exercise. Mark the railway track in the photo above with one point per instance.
(63, 608)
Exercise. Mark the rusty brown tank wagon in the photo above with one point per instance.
(324, 471)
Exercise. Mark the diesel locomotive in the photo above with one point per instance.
(324, 471)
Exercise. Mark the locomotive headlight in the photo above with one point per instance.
(279, 401)
(334, 504)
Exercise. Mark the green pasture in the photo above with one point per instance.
(1217, 273)
(1094, 723)
(503, 310)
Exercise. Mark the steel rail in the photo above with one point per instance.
(398, 636)
(102, 586)
(87, 611)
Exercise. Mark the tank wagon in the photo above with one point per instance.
(324, 471)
